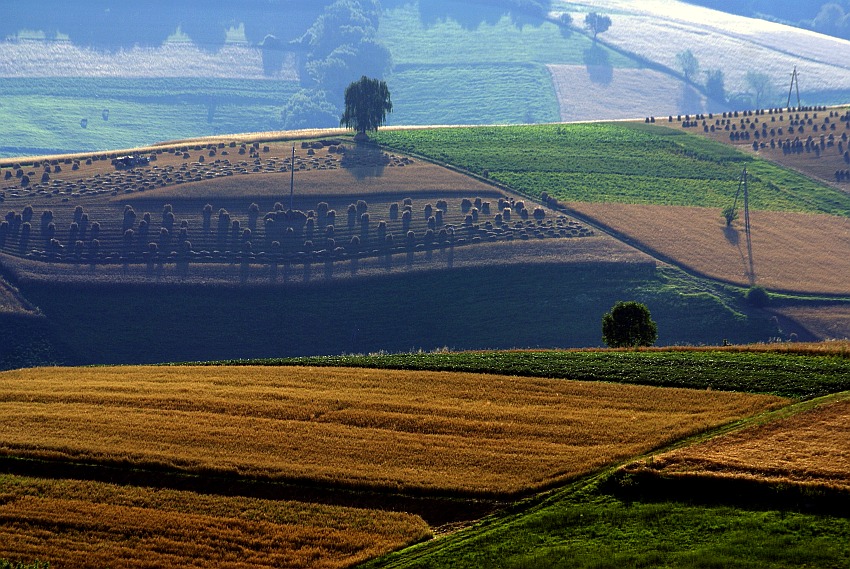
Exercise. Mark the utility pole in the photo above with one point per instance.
(742, 188)
(292, 181)
(795, 80)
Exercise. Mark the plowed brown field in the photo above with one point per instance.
(790, 251)
(809, 448)
(447, 432)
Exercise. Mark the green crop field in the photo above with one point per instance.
(618, 162)
(800, 376)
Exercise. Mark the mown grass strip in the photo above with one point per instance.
(787, 375)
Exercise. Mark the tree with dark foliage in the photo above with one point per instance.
(629, 325)
(367, 103)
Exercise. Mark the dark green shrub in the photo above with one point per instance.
(757, 296)
(629, 325)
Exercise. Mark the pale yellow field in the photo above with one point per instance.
(808, 448)
(791, 251)
(828, 321)
(71, 523)
(382, 429)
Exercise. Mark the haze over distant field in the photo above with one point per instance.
(214, 68)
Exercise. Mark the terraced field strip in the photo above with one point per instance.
(804, 370)
(807, 448)
(791, 251)
(71, 523)
(618, 163)
(471, 434)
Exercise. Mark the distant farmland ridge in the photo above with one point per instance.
(35, 58)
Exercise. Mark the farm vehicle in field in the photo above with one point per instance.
(127, 162)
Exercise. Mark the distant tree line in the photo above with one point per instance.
(831, 17)
(339, 48)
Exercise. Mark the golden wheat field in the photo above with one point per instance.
(379, 429)
(808, 448)
(71, 523)
(790, 251)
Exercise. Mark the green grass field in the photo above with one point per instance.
(472, 94)
(492, 73)
(42, 116)
(459, 309)
(619, 162)
(599, 531)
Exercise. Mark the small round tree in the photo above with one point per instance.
(629, 325)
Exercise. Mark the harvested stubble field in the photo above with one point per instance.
(812, 140)
(790, 251)
(466, 434)
(71, 523)
(825, 321)
(216, 214)
(808, 448)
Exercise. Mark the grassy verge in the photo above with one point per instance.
(587, 529)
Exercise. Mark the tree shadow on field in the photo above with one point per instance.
(733, 237)
(364, 160)
(598, 65)
(690, 101)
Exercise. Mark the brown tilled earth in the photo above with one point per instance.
(790, 251)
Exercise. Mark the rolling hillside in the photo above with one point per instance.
(75, 84)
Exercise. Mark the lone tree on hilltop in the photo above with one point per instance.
(597, 23)
(367, 103)
(629, 325)
(689, 64)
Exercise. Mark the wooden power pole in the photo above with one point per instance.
(795, 81)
